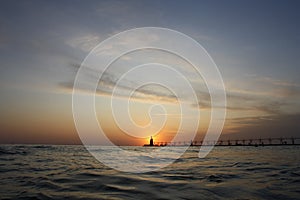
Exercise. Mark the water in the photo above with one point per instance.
(70, 172)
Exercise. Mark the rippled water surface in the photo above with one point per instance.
(70, 172)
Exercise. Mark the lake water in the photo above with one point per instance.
(70, 172)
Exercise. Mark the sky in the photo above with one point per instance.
(255, 45)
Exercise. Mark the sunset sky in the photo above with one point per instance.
(255, 44)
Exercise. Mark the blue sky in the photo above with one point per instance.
(255, 45)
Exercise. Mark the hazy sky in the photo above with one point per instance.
(255, 44)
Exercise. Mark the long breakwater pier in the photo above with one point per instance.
(233, 142)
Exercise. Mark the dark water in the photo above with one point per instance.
(70, 172)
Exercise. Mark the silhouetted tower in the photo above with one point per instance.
(151, 141)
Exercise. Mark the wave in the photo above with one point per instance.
(59, 172)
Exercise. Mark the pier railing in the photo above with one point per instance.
(236, 142)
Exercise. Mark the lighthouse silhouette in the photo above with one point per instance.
(151, 141)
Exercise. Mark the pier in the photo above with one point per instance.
(234, 142)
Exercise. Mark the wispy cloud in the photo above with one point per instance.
(108, 81)
(241, 102)
(84, 42)
(263, 127)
